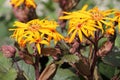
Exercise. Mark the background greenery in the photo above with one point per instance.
(108, 66)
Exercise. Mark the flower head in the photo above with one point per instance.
(37, 32)
(110, 31)
(49, 28)
(80, 27)
(101, 17)
(80, 24)
(77, 14)
(28, 3)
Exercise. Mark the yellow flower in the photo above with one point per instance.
(49, 28)
(25, 28)
(110, 31)
(34, 25)
(80, 23)
(19, 31)
(77, 14)
(28, 3)
(36, 38)
(101, 17)
(117, 16)
(80, 27)
(37, 32)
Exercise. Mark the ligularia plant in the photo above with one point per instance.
(78, 40)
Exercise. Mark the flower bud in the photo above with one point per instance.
(8, 51)
(26, 57)
(24, 14)
(67, 5)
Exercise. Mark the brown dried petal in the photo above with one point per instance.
(26, 57)
(105, 49)
(83, 68)
(48, 72)
(50, 51)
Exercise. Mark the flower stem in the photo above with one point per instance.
(19, 70)
(36, 66)
(94, 57)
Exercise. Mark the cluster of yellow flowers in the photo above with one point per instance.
(86, 22)
(36, 31)
(82, 23)
(28, 3)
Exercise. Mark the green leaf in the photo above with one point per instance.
(11, 74)
(85, 51)
(30, 48)
(29, 71)
(3, 31)
(117, 71)
(113, 58)
(102, 41)
(49, 5)
(117, 41)
(70, 58)
(65, 74)
(7, 72)
(83, 2)
(106, 70)
(5, 63)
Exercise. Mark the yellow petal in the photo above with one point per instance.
(84, 31)
(19, 24)
(71, 30)
(100, 26)
(84, 7)
(72, 36)
(30, 3)
(44, 42)
(80, 35)
(105, 22)
(38, 48)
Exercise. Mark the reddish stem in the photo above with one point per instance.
(94, 58)
(36, 67)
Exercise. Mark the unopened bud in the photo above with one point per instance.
(67, 5)
(26, 57)
(75, 46)
(8, 51)
(24, 14)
